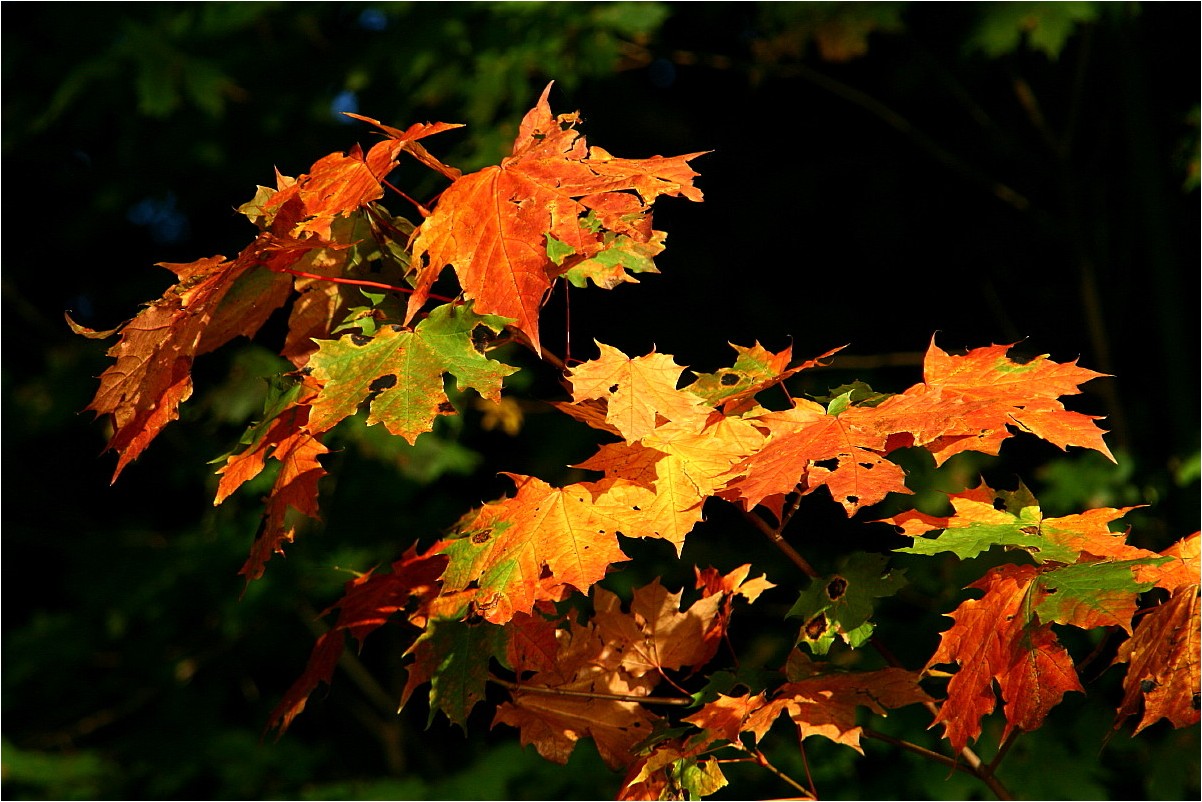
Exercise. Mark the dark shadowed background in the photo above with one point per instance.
(877, 174)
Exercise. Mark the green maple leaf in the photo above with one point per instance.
(400, 373)
(1094, 594)
(1002, 529)
(841, 605)
(454, 657)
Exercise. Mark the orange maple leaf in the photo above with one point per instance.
(810, 447)
(639, 392)
(821, 703)
(969, 403)
(295, 488)
(582, 694)
(1163, 654)
(523, 549)
(492, 226)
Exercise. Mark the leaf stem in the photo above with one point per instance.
(356, 282)
(422, 210)
(612, 697)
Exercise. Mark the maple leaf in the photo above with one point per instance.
(970, 402)
(1181, 566)
(996, 638)
(335, 186)
(672, 771)
(368, 602)
(151, 375)
(408, 140)
(587, 686)
(492, 226)
(401, 372)
(733, 584)
(453, 657)
(823, 702)
(506, 546)
(754, 370)
(585, 693)
(1163, 655)
(839, 447)
(638, 391)
(840, 606)
(620, 256)
(818, 701)
(282, 435)
(656, 633)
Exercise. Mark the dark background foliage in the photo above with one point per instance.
(877, 174)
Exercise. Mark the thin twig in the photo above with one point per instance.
(788, 514)
(972, 762)
(975, 770)
(1001, 752)
(422, 210)
(779, 541)
(763, 761)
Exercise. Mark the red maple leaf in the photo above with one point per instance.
(151, 377)
(996, 638)
(368, 602)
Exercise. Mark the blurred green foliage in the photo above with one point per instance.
(880, 172)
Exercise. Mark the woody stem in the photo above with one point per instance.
(778, 540)
(972, 767)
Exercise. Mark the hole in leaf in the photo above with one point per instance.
(815, 627)
(481, 337)
(613, 388)
(827, 464)
(1147, 686)
(729, 380)
(382, 382)
(853, 499)
(446, 408)
(360, 339)
(999, 505)
(836, 588)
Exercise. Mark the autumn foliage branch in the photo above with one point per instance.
(486, 601)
